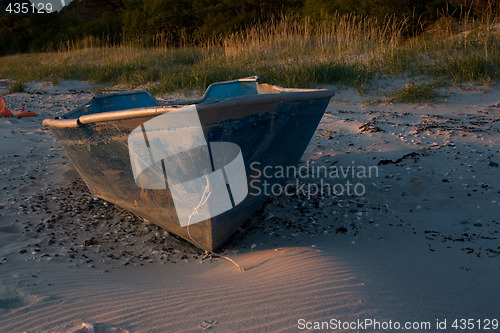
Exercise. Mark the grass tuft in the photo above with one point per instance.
(17, 87)
(470, 68)
(415, 93)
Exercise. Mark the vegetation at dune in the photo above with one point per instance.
(17, 87)
(189, 22)
(414, 92)
(165, 45)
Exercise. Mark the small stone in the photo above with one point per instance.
(341, 230)
(90, 242)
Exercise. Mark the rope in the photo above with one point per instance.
(195, 211)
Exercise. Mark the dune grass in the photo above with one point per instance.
(344, 49)
(17, 87)
(414, 92)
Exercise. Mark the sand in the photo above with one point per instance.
(420, 244)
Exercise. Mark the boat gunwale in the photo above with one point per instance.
(150, 111)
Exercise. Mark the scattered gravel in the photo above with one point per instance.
(83, 229)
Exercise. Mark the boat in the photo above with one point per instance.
(255, 125)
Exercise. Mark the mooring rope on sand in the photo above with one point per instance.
(195, 211)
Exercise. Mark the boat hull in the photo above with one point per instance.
(270, 129)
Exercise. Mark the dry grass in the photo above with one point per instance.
(346, 50)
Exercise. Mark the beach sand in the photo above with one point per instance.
(420, 244)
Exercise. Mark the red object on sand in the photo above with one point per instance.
(22, 114)
(4, 112)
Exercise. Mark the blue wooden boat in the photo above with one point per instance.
(271, 126)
